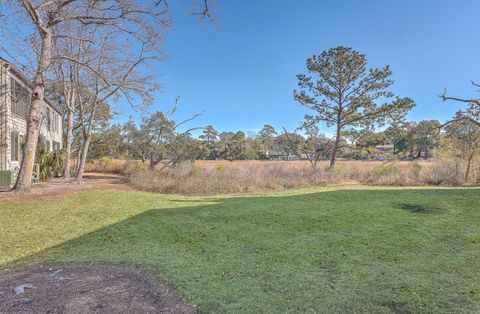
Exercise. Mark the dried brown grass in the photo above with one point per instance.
(304, 164)
(106, 165)
(220, 177)
(206, 177)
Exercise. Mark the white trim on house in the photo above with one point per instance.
(13, 126)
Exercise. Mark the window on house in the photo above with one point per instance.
(56, 145)
(59, 119)
(21, 144)
(49, 119)
(14, 146)
(54, 122)
(44, 117)
(47, 146)
(56, 119)
(19, 98)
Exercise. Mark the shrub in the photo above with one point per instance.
(443, 173)
(196, 171)
(221, 170)
(106, 164)
(134, 166)
(51, 164)
(415, 170)
(385, 169)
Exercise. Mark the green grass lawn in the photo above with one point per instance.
(346, 249)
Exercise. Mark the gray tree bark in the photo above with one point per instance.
(34, 120)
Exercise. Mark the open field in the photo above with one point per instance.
(322, 249)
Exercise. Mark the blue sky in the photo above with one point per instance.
(241, 70)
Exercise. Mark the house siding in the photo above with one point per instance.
(4, 112)
(10, 122)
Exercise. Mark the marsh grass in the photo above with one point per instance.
(221, 177)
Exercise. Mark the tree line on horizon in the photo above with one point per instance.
(409, 141)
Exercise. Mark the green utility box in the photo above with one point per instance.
(6, 178)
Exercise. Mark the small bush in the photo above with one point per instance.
(221, 170)
(385, 169)
(415, 170)
(443, 174)
(51, 164)
(196, 171)
(134, 166)
(106, 165)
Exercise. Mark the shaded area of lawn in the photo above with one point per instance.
(318, 250)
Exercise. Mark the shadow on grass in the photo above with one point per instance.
(345, 249)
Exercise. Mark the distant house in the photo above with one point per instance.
(15, 98)
(284, 156)
(385, 148)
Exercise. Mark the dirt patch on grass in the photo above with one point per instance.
(92, 288)
(60, 187)
(418, 208)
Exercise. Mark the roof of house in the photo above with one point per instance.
(53, 104)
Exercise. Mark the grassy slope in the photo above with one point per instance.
(319, 250)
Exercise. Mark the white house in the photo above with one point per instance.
(14, 105)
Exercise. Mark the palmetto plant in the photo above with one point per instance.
(51, 164)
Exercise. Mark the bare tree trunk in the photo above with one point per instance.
(83, 157)
(456, 171)
(313, 161)
(333, 157)
(153, 164)
(70, 98)
(478, 175)
(24, 180)
(87, 136)
(68, 148)
(469, 164)
(79, 156)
